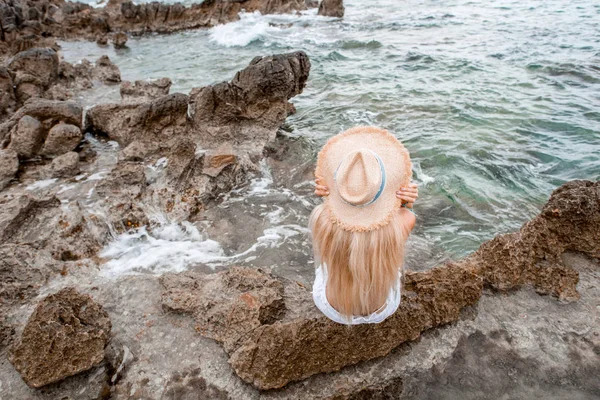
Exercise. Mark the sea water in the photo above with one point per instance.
(497, 101)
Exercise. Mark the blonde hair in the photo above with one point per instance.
(362, 266)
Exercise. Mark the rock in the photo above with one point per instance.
(228, 305)
(65, 335)
(23, 270)
(294, 341)
(62, 138)
(569, 221)
(138, 151)
(126, 178)
(105, 71)
(331, 8)
(145, 90)
(9, 165)
(22, 217)
(248, 110)
(311, 3)
(119, 40)
(102, 41)
(216, 160)
(66, 165)
(8, 101)
(50, 112)
(34, 71)
(27, 138)
(156, 121)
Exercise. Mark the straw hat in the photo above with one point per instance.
(363, 168)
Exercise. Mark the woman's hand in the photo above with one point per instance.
(321, 190)
(408, 194)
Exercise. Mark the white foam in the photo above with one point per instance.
(250, 27)
(41, 184)
(167, 248)
(173, 247)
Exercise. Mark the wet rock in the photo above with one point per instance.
(65, 335)
(49, 112)
(23, 270)
(145, 90)
(190, 385)
(311, 3)
(62, 138)
(9, 165)
(106, 71)
(8, 101)
(102, 41)
(138, 151)
(66, 165)
(34, 71)
(331, 8)
(126, 179)
(119, 40)
(27, 138)
(22, 217)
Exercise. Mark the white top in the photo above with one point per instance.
(320, 299)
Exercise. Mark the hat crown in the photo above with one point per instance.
(359, 177)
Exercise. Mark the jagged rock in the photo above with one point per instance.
(145, 90)
(62, 138)
(127, 178)
(34, 71)
(23, 270)
(8, 101)
(66, 165)
(49, 112)
(228, 305)
(218, 159)
(9, 165)
(249, 109)
(138, 151)
(569, 221)
(331, 8)
(119, 40)
(154, 121)
(106, 71)
(297, 341)
(27, 138)
(65, 335)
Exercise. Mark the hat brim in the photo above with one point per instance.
(398, 167)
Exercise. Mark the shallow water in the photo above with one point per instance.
(497, 101)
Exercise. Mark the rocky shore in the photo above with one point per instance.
(517, 318)
(26, 24)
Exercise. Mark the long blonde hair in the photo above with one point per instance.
(362, 266)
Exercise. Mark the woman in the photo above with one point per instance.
(360, 229)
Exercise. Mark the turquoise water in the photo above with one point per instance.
(497, 101)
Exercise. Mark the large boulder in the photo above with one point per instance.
(9, 165)
(49, 112)
(65, 335)
(27, 137)
(34, 71)
(62, 138)
(331, 8)
(248, 110)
